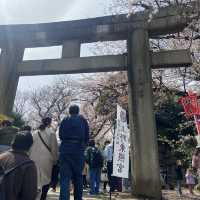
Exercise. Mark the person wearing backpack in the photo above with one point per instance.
(94, 158)
(74, 136)
(18, 176)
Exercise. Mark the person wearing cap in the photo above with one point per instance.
(74, 136)
(45, 154)
(21, 183)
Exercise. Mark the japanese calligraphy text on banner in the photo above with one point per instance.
(121, 145)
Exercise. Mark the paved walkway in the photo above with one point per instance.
(168, 195)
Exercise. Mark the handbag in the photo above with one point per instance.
(104, 177)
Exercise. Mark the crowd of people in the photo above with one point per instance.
(38, 159)
(192, 174)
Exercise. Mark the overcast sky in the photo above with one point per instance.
(40, 11)
(37, 11)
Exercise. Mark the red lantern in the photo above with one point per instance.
(192, 108)
(190, 104)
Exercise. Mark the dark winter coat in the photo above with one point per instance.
(179, 173)
(74, 135)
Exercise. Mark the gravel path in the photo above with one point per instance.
(167, 195)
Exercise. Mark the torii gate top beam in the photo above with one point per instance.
(108, 28)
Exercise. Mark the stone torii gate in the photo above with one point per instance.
(138, 62)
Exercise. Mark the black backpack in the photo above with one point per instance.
(4, 174)
(95, 158)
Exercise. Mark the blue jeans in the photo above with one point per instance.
(71, 167)
(95, 174)
(179, 187)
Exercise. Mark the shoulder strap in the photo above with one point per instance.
(7, 172)
(96, 149)
(48, 148)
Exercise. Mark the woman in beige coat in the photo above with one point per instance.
(44, 153)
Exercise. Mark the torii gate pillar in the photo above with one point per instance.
(9, 59)
(146, 179)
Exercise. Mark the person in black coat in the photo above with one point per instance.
(179, 176)
(74, 136)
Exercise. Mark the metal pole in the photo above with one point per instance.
(114, 124)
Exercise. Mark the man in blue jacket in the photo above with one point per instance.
(74, 136)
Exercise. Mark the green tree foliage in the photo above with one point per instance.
(17, 120)
(7, 133)
(173, 128)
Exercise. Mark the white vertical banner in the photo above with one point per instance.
(121, 145)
